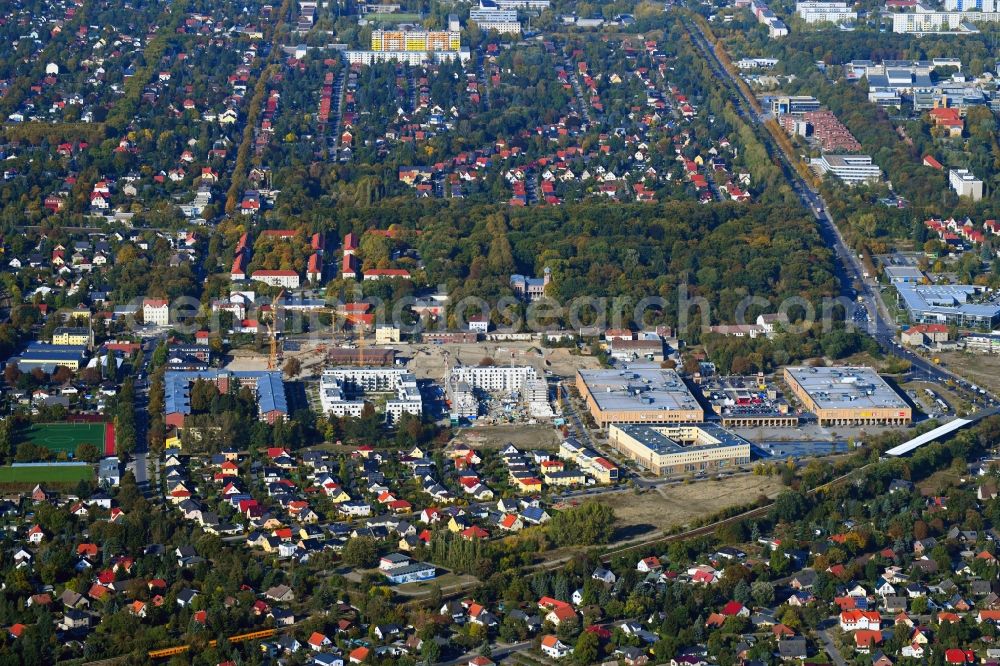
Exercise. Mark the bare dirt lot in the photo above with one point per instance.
(981, 369)
(669, 506)
(432, 361)
(244, 359)
(523, 436)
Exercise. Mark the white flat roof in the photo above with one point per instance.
(847, 387)
(635, 388)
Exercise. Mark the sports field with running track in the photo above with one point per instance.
(66, 437)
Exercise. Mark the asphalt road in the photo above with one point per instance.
(830, 647)
(875, 320)
(498, 652)
(140, 456)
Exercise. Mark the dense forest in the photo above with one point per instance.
(722, 253)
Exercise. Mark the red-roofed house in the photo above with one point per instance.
(853, 620)
(474, 533)
(865, 639)
(949, 118)
(957, 656)
(648, 564)
(929, 161)
(314, 271)
(561, 614)
(735, 609)
(922, 334)
(554, 648)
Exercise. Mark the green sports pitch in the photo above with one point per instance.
(56, 474)
(65, 437)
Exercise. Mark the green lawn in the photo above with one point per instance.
(394, 18)
(46, 474)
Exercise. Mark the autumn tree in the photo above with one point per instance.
(88, 452)
(292, 367)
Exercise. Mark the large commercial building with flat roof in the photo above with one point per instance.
(948, 304)
(680, 449)
(794, 105)
(904, 274)
(48, 357)
(847, 396)
(638, 394)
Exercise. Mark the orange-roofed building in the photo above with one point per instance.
(866, 639)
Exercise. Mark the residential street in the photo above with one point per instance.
(830, 647)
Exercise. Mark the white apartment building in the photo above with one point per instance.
(463, 402)
(409, 57)
(487, 16)
(286, 279)
(501, 26)
(156, 311)
(924, 21)
(495, 377)
(757, 63)
(523, 4)
(408, 400)
(341, 391)
(812, 11)
(983, 343)
(333, 400)
(970, 5)
(965, 184)
(536, 390)
(366, 379)
(852, 169)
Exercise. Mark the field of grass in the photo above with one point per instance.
(939, 481)
(64, 437)
(45, 474)
(394, 18)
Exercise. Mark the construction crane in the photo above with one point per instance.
(361, 344)
(358, 325)
(272, 334)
